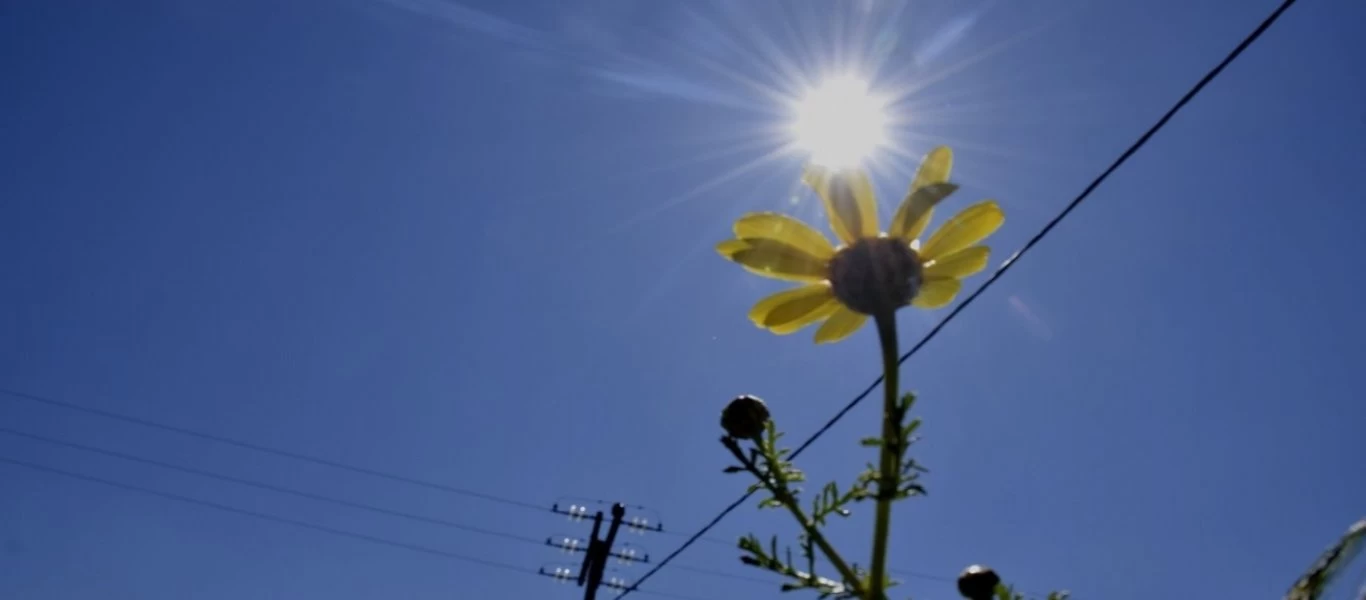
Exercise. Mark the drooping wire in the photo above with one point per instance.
(271, 487)
(298, 523)
(999, 272)
(324, 498)
(321, 497)
(265, 516)
(275, 451)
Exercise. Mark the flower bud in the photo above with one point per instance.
(745, 417)
(978, 582)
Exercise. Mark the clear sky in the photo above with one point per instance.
(471, 243)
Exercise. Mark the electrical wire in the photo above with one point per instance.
(275, 451)
(300, 524)
(732, 544)
(272, 487)
(320, 497)
(996, 275)
(330, 463)
(266, 516)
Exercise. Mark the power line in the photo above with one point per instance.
(318, 497)
(734, 576)
(266, 516)
(297, 523)
(272, 487)
(276, 451)
(995, 276)
(732, 544)
(329, 499)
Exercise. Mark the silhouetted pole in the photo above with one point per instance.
(595, 559)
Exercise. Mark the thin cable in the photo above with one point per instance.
(276, 451)
(1047, 228)
(708, 539)
(324, 498)
(734, 576)
(673, 595)
(300, 524)
(272, 487)
(267, 516)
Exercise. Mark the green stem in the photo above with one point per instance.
(890, 459)
(777, 484)
(779, 489)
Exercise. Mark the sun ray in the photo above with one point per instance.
(697, 190)
(925, 82)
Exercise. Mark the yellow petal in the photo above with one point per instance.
(790, 310)
(774, 259)
(966, 228)
(784, 229)
(849, 201)
(936, 293)
(960, 264)
(841, 324)
(730, 248)
(934, 168)
(914, 212)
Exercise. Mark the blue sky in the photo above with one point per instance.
(471, 243)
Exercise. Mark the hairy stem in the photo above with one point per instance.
(889, 462)
(777, 484)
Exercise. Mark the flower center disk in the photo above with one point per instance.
(876, 275)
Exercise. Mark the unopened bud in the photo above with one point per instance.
(745, 417)
(978, 582)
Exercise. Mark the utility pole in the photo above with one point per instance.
(591, 574)
(595, 559)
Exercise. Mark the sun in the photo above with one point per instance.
(840, 123)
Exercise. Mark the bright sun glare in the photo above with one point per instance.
(840, 123)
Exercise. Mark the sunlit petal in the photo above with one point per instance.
(960, 264)
(936, 293)
(914, 212)
(841, 324)
(849, 201)
(729, 248)
(774, 259)
(966, 228)
(790, 310)
(934, 168)
(784, 229)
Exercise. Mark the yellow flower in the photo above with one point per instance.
(870, 272)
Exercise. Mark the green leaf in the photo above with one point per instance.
(871, 442)
(910, 428)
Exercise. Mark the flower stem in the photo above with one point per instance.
(780, 491)
(890, 460)
(775, 480)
